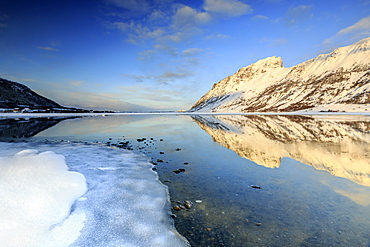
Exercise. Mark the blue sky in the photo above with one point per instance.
(161, 54)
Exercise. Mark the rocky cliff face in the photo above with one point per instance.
(13, 94)
(340, 77)
(339, 146)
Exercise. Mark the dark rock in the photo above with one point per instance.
(256, 187)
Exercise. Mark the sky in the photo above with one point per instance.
(136, 55)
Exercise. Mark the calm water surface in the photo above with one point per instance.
(250, 180)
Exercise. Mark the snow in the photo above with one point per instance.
(74, 194)
(344, 108)
(266, 85)
(37, 192)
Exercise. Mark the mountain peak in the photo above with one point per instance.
(269, 62)
(340, 77)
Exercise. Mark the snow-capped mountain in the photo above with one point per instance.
(336, 145)
(14, 94)
(341, 77)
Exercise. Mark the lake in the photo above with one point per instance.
(241, 180)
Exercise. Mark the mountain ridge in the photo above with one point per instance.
(339, 77)
(14, 94)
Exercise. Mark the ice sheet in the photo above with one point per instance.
(124, 205)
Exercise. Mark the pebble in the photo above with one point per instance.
(188, 204)
(177, 208)
(179, 170)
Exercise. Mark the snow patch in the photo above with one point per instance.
(41, 203)
(37, 192)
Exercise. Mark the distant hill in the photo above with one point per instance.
(340, 78)
(16, 95)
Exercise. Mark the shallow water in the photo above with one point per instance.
(251, 180)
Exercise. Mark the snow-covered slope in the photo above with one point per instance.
(341, 77)
(337, 145)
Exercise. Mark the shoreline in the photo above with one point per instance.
(46, 115)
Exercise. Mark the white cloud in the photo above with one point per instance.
(166, 22)
(47, 48)
(138, 6)
(146, 54)
(299, 14)
(75, 83)
(227, 8)
(187, 16)
(363, 24)
(191, 51)
(138, 33)
(275, 42)
(163, 79)
(259, 18)
(217, 36)
(359, 30)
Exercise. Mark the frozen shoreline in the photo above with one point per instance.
(125, 203)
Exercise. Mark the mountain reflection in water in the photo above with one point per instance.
(340, 147)
(25, 127)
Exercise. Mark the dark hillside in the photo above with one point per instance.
(13, 94)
